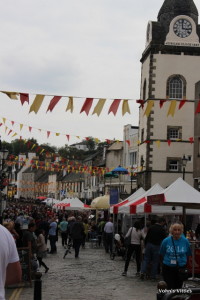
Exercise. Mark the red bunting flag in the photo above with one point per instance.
(48, 133)
(128, 142)
(67, 135)
(114, 106)
(10, 131)
(147, 142)
(169, 142)
(141, 102)
(24, 98)
(162, 102)
(198, 108)
(12, 122)
(182, 102)
(87, 138)
(108, 141)
(191, 139)
(30, 128)
(1, 124)
(87, 105)
(53, 103)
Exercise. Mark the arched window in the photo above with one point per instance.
(176, 87)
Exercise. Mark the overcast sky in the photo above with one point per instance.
(80, 48)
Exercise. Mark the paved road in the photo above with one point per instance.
(93, 276)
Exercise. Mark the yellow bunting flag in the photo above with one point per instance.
(42, 151)
(158, 144)
(37, 103)
(14, 134)
(33, 146)
(149, 107)
(4, 120)
(11, 95)
(98, 108)
(172, 108)
(21, 126)
(78, 137)
(125, 107)
(57, 134)
(6, 128)
(70, 105)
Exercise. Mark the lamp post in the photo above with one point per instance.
(131, 179)
(184, 163)
(3, 157)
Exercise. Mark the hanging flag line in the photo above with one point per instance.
(86, 107)
(138, 143)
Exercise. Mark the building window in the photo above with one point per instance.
(142, 135)
(174, 164)
(144, 89)
(133, 158)
(176, 87)
(174, 133)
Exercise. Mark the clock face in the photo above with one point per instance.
(182, 28)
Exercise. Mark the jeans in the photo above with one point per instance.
(64, 238)
(137, 249)
(77, 243)
(109, 242)
(151, 255)
(52, 239)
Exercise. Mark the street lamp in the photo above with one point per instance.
(184, 163)
(131, 179)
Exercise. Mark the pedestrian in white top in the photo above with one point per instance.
(10, 268)
(108, 231)
(135, 246)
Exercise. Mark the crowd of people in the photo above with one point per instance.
(156, 248)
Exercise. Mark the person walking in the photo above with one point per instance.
(153, 239)
(108, 230)
(41, 248)
(174, 251)
(10, 268)
(135, 246)
(77, 234)
(63, 231)
(53, 235)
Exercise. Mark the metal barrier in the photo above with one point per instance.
(37, 286)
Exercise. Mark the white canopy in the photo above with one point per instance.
(135, 195)
(71, 204)
(50, 201)
(131, 207)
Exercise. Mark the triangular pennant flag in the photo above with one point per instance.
(128, 142)
(162, 102)
(42, 151)
(98, 108)
(125, 107)
(70, 105)
(172, 108)
(108, 141)
(191, 139)
(182, 103)
(36, 103)
(141, 102)
(14, 134)
(1, 124)
(67, 135)
(57, 133)
(87, 105)
(10, 131)
(198, 108)
(48, 133)
(150, 104)
(30, 128)
(21, 126)
(114, 106)
(24, 98)
(12, 122)
(11, 95)
(78, 137)
(4, 120)
(6, 128)
(169, 142)
(158, 144)
(53, 103)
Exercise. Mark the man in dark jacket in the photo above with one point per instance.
(153, 239)
(77, 234)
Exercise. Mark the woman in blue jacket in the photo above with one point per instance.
(174, 251)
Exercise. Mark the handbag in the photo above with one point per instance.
(127, 239)
(183, 273)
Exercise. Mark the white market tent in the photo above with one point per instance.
(71, 204)
(131, 206)
(115, 208)
(179, 193)
(50, 201)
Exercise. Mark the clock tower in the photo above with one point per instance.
(170, 78)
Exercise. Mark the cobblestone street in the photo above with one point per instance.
(92, 276)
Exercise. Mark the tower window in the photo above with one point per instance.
(174, 133)
(176, 87)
